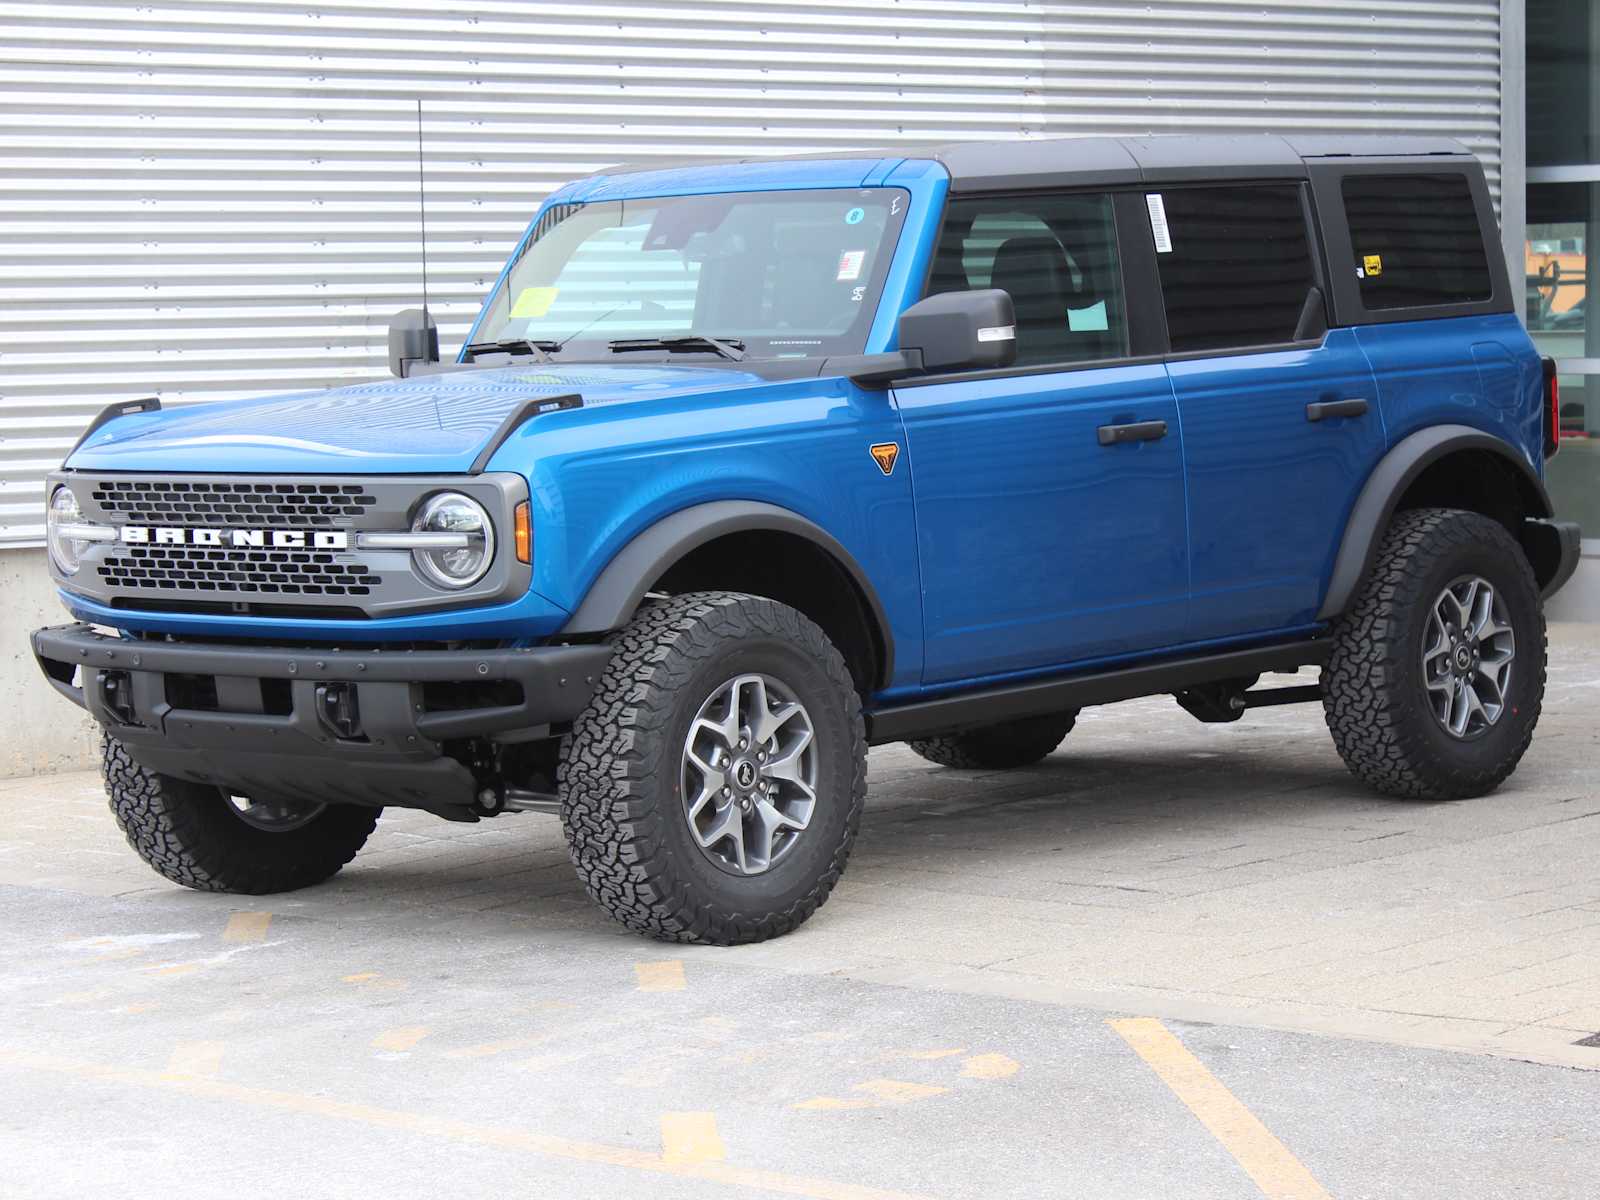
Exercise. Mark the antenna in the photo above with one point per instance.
(422, 209)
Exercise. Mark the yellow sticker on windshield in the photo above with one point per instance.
(1373, 264)
(533, 302)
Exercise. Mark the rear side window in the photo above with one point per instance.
(1056, 256)
(1235, 265)
(1416, 240)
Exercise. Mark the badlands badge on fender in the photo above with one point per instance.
(884, 454)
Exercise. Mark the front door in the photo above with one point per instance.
(1050, 497)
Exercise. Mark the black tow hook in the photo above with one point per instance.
(338, 711)
(116, 691)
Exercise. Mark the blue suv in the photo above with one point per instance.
(746, 466)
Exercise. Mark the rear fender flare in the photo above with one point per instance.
(1395, 472)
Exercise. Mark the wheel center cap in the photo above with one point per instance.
(1463, 657)
(744, 774)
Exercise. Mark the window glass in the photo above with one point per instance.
(1563, 85)
(1571, 474)
(788, 273)
(1563, 220)
(1416, 240)
(1239, 266)
(1056, 256)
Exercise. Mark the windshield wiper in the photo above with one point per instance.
(515, 346)
(729, 348)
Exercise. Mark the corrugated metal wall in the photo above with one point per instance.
(208, 200)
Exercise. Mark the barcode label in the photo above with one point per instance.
(1158, 222)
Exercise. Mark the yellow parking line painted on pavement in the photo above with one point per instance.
(1276, 1171)
(489, 1049)
(247, 927)
(878, 1093)
(989, 1066)
(124, 952)
(660, 976)
(691, 1137)
(372, 979)
(452, 1129)
(401, 1039)
(195, 1058)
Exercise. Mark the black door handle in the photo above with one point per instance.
(1137, 431)
(1335, 408)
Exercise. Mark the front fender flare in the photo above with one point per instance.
(617, 591)
(1395, 472)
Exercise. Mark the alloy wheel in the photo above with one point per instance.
(749, 774)
(1467, 659)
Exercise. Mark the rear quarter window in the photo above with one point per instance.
(1416, 239)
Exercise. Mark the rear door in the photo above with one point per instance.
(1279, 434)
(1049, 495)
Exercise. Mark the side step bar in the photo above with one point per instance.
(1038, 696)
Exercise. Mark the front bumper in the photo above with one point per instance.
(335, 725)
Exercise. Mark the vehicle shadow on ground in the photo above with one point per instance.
(1089, 810)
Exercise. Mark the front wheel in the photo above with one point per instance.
(712, 789)
(204, 839)
(1437, 670)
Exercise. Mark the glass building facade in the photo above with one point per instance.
(1563, 227)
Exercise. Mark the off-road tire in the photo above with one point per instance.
(1372, 686)
(189, 833)
(620, 777)
(999, 747)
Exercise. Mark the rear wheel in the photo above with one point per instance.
(204, 839)
(1437, 671)
(998, 747)
(712, 789)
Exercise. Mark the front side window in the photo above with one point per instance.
(1416, 239)
(784, 273)
(1235, 265)
(1056, 256)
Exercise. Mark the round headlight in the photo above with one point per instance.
(466, 560)
(63, 511)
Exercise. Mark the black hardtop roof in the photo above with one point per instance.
(1019, 163)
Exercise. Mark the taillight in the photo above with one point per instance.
(1552, 409)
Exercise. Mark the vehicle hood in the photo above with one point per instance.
(428, 424)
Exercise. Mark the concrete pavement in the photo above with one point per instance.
(451, 1010)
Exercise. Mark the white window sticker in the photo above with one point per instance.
(850, 265)
(1158, 222)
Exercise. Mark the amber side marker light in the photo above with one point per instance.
(523, 534)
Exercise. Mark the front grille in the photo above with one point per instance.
(215, 502)
(239, 568)
(257, 572)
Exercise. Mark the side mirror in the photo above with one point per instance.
(960, 331)
(413, 338)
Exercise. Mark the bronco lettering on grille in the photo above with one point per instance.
(276, 539)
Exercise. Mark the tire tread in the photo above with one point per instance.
(1379, 728)
(610, 799)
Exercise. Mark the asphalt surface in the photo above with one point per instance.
(1172, 960)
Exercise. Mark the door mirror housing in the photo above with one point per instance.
(953, 331)
(960, 331)
(413, 339)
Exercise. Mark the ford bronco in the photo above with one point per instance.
(746, 466)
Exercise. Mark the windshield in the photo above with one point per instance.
(781, 273)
